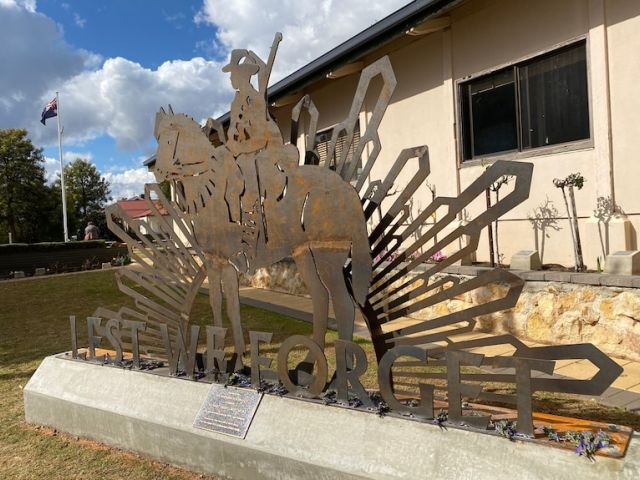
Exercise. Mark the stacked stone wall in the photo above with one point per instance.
(547, 312)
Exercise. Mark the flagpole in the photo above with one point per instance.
(64, 196)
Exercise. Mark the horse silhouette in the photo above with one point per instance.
(265, 208)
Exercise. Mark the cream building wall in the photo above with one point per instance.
(484, 35)
(623, 34)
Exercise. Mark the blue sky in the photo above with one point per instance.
(148, 32)
(145, 31)
(116, 62)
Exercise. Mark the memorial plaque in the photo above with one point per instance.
(228, 410)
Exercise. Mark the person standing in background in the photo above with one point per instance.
(91, 232)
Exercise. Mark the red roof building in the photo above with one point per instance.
(138, 208)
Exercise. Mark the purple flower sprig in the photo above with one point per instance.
(238, 380)
(552, 434)
(382, 409)
(380, 406)
(330, 397)
(272, 388)
(150, 365)
(507, 428)
(587, 443)
(442, 417)
(437, 257)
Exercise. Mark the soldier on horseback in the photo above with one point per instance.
(251, 205)
(255, 147)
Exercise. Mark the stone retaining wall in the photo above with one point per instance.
(556, 312)
(282, 276)
(552, 312)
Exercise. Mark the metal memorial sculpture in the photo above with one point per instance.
(253, 209)
(243, 201)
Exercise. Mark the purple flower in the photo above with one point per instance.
(437, 257)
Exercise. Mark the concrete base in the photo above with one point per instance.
(526, 260)
(610, 236)
(288, 439)
(626, 262)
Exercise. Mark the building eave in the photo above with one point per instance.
(372, 38)
(377, 35)
(150, 162)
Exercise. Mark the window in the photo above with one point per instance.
(543, 101)
(323, 139)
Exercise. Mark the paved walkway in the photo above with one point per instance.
(624, 393)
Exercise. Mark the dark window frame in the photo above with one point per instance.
(323, 138)
(520, 152)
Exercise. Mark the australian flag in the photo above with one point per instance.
(50, 110)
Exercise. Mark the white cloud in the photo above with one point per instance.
(29, 5)
(176, 19)
(123, 182)
(79, 21)
(52, 165)
(70, 156)
(35, 62)
(51, 169)
(309, 28)
(128, 183)
(119, 97)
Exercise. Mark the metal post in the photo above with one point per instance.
(64, 196)
(492, 260)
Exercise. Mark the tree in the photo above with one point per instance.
(165, 188)
(574, 180)
(495, 188)
(24, 195)
(87, 192)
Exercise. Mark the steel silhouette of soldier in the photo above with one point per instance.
(251, 127)
(254, 160)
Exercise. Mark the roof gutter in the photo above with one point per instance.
(386, 30)
(378, 34)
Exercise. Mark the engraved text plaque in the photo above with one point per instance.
(228, 410)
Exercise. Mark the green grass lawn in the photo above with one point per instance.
(34, 323)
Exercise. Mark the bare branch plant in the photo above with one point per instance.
(567, 185)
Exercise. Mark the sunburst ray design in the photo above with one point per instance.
(403, 282)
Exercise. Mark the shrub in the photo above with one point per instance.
(50, 246)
